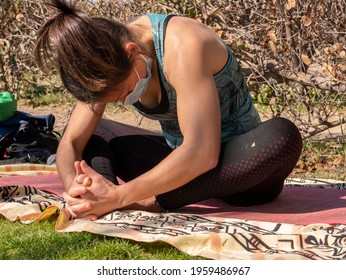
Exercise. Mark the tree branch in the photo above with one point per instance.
(318, 80)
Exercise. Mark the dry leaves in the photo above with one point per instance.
(305, 59)
(325, 163)
(290, 4)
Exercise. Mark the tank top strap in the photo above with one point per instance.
(158, 27)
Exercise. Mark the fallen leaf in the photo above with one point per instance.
(306, 20)
(290, 4)
(327, 69)
(19, 17)
(271, 35)
(297, 170)
(306, 60)
(338, 46)
(339, 160)
(319, 166)
(272, 46)
(320, 9)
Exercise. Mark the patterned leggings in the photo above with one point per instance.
(251, 170)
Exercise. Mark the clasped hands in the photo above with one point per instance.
(91, 195)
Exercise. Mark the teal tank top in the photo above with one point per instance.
(238, 114)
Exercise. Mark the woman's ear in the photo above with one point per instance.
(131, 48)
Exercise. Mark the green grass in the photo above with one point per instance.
(40, 241)
(49, 99)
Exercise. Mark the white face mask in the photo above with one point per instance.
(141, 85)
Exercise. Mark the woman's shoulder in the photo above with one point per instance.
(194, 33)
(198, 45)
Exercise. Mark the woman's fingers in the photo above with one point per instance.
(78, 168)
(84, 180)
(77, 191)
(87, 182)
(74, 215)
(77, 206)
(80, 208)
(86, 169)
(83, 201)
(79, 178)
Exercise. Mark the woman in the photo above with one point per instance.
(175, 70)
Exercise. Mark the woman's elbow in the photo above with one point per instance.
(212, 162)
(208, 160)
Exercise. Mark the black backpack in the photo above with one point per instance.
(28, 139)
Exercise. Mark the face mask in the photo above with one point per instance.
(141, 85)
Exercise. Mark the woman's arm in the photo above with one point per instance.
(82, 123)
(190, 61)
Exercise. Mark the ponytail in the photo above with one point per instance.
(88, 51)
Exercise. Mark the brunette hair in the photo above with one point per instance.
(88, 51)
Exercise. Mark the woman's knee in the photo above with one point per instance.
(284, 136)
(255, 196)
(280, 127)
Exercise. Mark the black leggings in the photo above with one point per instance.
(251, 169)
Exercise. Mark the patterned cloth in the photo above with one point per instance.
(27, 169)
(197, 235)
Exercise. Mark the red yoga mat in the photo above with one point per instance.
(296, 205)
